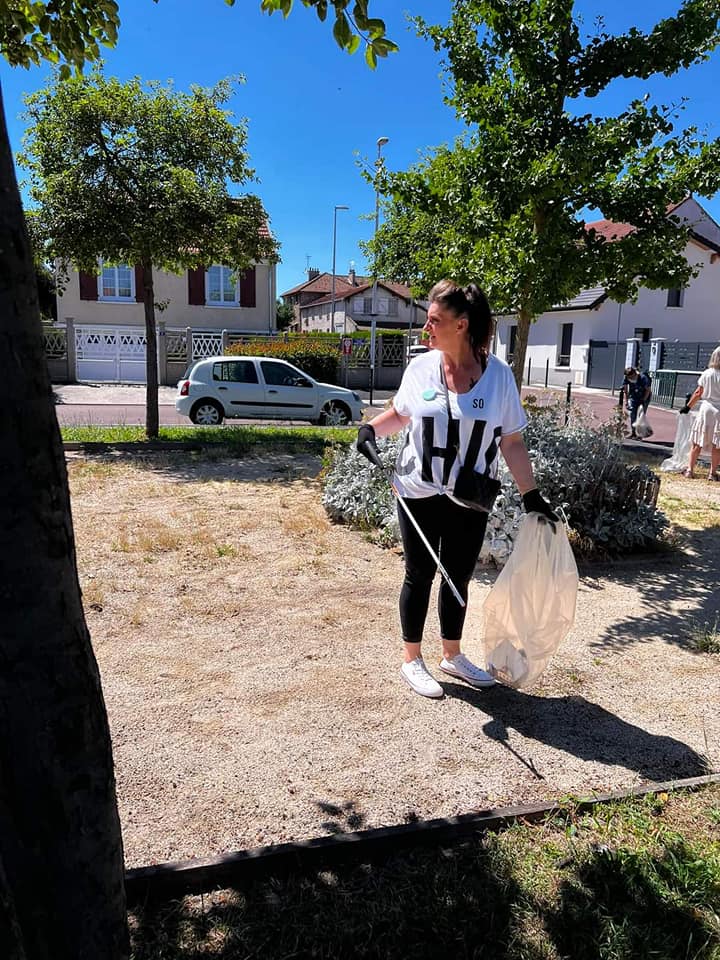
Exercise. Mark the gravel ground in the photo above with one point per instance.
(249, 653)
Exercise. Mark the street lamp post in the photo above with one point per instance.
(373, 317)
(337, 207)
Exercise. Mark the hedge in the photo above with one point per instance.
(319, 360)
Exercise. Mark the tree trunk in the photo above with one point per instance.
(61, 860)
(521, 340)
(152, 416)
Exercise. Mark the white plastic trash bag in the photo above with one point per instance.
(642, 425)
(680, 458)
(531, 607)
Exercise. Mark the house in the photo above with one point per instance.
(105, 321)
(351, 308)
(590, 340)
(319, 286)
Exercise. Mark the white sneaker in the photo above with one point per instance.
(415, 674)
(464, 669)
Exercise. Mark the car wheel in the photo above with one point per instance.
(334, 414)
(207, 413)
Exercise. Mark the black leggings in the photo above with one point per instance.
(456, 535)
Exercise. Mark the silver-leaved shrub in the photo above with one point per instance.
(577, 468)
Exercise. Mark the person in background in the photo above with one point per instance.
(637, 388)
(706, 428)
(460, 407)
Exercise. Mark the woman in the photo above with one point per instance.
(460, 406)
(706, 429)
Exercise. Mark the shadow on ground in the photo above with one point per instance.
(219, 465)
(477, 899)
(583, 729)
(678, 593)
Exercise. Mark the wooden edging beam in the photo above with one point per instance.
(165, 881)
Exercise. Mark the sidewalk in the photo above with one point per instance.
(126, 394)
(601, 406)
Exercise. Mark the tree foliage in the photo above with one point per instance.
(506, 202)
(284, 315)
(61, 858)
(352, 26)
(128, 172)
(73, 31)
(139, 174)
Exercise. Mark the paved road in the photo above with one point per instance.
(108, 404)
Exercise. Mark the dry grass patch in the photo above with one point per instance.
(249, 651)
(693, 504)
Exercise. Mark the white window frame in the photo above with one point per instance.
(223, 272)
(559, 355)
(116, 298)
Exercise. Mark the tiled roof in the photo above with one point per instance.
(610, 230)
(322, 283)
(585, 300)
(399, 289)
(616, 231)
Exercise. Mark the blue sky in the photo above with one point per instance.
(313, 109)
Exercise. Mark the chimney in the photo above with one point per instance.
(351, 274)
(312, 273)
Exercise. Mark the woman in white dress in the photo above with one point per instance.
(706, 429)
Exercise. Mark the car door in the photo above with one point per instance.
(238, 388)
(289, 394)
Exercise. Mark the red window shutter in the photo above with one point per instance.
(88, 286)
(196, 287)
(139, 284)
(247, 288)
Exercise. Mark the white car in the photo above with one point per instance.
(220, 387)
(416, 350)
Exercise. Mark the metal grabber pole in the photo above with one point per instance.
(371, 454)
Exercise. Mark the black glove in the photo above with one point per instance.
(366, 444)
(685, 409)
(534, 502)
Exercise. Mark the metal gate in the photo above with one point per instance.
(110, 354)
(603, 356)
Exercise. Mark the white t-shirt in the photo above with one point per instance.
(710, 382)
(428, 463)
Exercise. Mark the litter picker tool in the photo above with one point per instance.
(371, 453)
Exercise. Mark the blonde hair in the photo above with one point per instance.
(715, 359)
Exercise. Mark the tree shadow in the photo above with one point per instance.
(422, 904)
(472, 899)
(579, 727)
(677, 592)
(622, 903)
(343, 819)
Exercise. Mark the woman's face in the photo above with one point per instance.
(444, 327)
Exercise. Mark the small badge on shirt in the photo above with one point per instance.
(429, 394)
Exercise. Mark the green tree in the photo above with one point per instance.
(284, 315)
(139, 175)
(44, 269)
(506, 202)
(61, 862)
